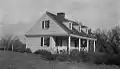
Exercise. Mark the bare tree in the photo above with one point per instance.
(6, 41)
(10, 42)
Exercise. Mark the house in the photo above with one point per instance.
(53, 32)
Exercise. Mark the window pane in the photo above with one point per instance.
(46, 41)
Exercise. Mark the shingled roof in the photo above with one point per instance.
(73, 31)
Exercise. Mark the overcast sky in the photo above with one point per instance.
(17, 16)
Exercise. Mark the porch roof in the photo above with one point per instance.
(82, 37)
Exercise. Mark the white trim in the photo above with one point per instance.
(69, 42)
(87, 45)
(44, 24)
(43, 41)
(94, 46)
(83, 37)
(79, 44)
(87, 30)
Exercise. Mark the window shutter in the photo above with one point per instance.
(47, 23)
(43, 24)
(41, 41)
(48, 41)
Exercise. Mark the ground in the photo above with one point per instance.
(16, 60)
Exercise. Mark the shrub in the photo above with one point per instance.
(37, 52)
(97, 57)
(93, 57)
(50, 57)
(46, 55)
(20, 49)
(113, 59)
(28, 50)
(63, 57)
(42, 52)
(78, 56)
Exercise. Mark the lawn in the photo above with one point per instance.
(16, 60)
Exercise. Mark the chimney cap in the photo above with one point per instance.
(60, 13)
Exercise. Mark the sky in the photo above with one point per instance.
(18, 16)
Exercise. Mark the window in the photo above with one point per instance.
(84, 43)
(58, 41)
(70, 25)
(46, 41)
(45, 24)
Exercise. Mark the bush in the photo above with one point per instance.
(113, 59)
(97, 57)
(46, 55)
(37, 52)
(20, 49)
(78, 56)
(42, 52)
(63, 57)
(93, 57)
(28, 50)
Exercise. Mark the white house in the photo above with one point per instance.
(54, 33)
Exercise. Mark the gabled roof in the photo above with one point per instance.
(73, 31)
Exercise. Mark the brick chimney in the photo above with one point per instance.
(61, 15)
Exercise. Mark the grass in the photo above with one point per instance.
(16, 60)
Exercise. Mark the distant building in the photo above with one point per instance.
(56, 33)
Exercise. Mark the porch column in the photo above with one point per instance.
(87, 45)
(79, 44)
(94, 45)
(69, 42)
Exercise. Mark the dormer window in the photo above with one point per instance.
(70, 25)
(45, 24)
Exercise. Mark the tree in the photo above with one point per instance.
(108, 41)
(12, 43)
(6, 41)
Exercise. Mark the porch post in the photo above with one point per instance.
(79, 44)
(69, 42)
(94, 45)
(87, 45)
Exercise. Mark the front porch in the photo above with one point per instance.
(68, 43)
